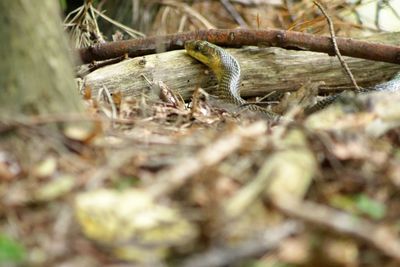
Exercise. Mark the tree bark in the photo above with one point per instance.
(36, 67)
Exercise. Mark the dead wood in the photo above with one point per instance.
(263, 70)
(242, 37)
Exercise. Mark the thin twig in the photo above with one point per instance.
(335, 46)
(230, 256)
(115, 161)
(380, 5)
(131, 32)
(394, 11)
(97, 65)
(104, 92)
(182, 23)
(84, 26)
(233, 12)
(34, 121)
(341, 222)
(378, 13)
(174, 177)
(189, 11)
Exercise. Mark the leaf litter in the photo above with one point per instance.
(163, 182)
(159, 182)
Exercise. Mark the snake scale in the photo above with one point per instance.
(227, 70)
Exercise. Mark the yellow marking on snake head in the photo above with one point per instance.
(206, 53)
(227, 70)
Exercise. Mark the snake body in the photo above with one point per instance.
(227, 70)
(392, 85)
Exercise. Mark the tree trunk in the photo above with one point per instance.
(36, 67)
(36, 79)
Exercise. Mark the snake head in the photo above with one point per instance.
(205, 52)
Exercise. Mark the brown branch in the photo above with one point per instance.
(242, 37)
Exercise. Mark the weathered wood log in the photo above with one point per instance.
(263, 70)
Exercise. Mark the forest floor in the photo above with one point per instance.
(160, 182)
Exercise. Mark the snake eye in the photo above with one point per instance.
(197, 47)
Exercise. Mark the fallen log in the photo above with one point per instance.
(263, 70)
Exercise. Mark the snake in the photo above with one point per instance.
(392, 85)
(227, 70)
